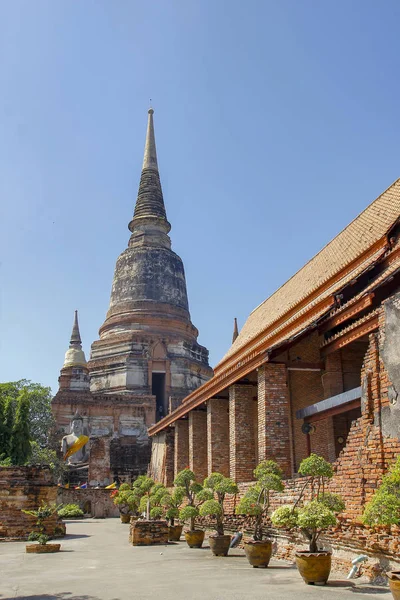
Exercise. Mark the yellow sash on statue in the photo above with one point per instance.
(80, 442)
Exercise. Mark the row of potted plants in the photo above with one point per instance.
(313, 511)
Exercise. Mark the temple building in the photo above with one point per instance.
(147, 358)
(313, 369)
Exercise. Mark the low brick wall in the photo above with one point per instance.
(346, 540)
(147, 533)
(25, 488)
(95, 502)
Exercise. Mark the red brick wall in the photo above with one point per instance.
(273, 416)
(169, 457)
(181, 448)
(218, 436)
(241, 432)
(358, 471)
(198, 444)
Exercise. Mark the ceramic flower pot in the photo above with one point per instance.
(125, 518)
(42, 548)
(314, 567)
(194, 538)
(174, 533)
(258, 553)
(394, 583)
(219, 544)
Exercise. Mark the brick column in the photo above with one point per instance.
(273, 416)
(198, 444)
(218, 436)
(241, 433)
(181, 449)
(168, 471)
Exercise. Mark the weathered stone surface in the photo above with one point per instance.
(148, 308)
(147, 358)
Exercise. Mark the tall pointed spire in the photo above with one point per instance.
(235, 330)
(150, 152)
(150, 201)
(75, 335)
(75, 356)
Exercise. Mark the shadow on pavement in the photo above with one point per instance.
(358, 589)
(60, 596)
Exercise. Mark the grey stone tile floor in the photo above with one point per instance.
(98, 563)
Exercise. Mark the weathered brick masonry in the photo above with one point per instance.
(25, 488)
(316, 368)
(273, 416)
(181, 448)
(218, 436)
(198, 443)
(241, 427)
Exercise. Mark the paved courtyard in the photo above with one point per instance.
(97, 563)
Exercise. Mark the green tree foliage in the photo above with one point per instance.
(4, 438)
(46, 457)
(70, 511)
(218, 486)
(172, 502)
(127, 499)
(9, 415)
(319, 513)
(41, 420)
(143, 487)
(256, 500)
(384, 507)
(157, 508)
(42, 515)
(20, 447)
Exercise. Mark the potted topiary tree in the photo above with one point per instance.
(384, 509)
(256, 503)
(219, 486)
(151, 529)
(312, 518)
(157, 508)
(172, 503)
(42, 514)
(143, 486)
(195, 496)
(127, 500)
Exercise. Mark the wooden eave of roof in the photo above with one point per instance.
(353, 332)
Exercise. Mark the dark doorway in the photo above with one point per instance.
(158, 390)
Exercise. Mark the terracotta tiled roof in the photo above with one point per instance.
(360, 235)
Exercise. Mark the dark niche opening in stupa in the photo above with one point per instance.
(158, 390)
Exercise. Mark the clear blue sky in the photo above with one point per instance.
(277, 122)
